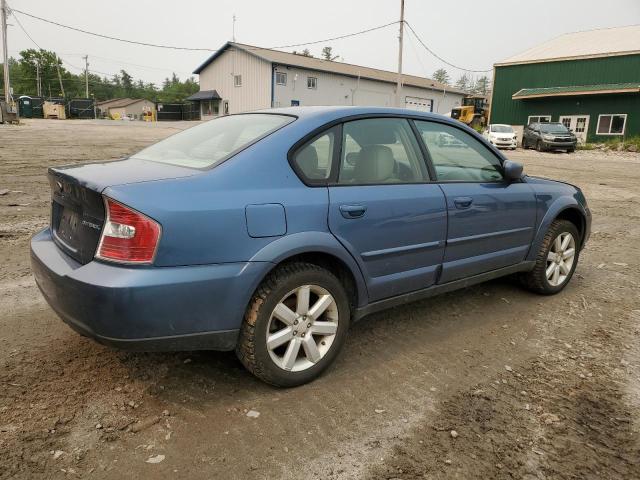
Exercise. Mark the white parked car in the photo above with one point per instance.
(502, 136)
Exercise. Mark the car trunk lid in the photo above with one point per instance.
(77, 206)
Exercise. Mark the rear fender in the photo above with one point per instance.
(313, 242)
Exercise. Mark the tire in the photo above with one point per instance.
(524, 144)
(537, 279)
(539, 146)
(277, 289)
(571, 150)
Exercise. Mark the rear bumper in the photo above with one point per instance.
(146, 308)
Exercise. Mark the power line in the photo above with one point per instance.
(173, 47)
(439, 57)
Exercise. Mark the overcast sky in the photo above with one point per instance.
(473, 34)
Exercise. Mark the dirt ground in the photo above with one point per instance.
(488, 382)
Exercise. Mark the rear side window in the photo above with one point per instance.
(210, 143)
(457, 156)
(313, 160)
(377, 151)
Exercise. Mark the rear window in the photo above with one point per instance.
(210, 143)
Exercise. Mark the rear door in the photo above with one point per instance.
(491, 220)
(383, 209)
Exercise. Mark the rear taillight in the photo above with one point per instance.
(128, 236)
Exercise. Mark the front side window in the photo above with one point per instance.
(457, 156)
(313, 161)
(611, 124)
(380, 151)
(312, 82)
(281, 78)
(237, 80)
(211, 142)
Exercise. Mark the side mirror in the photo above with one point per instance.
(513, 170)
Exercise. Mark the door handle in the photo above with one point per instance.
(463, 202)
(352, 211)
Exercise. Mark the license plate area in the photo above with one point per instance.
(67, 229)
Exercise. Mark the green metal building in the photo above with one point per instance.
(590, 81)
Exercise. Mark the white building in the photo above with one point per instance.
(239, 78)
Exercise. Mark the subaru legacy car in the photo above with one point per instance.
(269, 233)
(549, 136)
(502, 136)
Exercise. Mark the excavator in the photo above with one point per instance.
(473, 111)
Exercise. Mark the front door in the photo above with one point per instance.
(491, 220)
(578, 124)
(384, 211)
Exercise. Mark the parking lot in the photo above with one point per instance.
(487, 382)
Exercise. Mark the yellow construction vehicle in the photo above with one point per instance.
(473, 111)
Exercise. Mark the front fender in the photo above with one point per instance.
(313, 242)
(559, 205)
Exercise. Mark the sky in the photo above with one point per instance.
(473, 34)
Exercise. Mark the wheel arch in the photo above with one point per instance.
(322, 249)
(565, 208)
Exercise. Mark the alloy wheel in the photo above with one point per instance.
(560, 259)
(302, 327)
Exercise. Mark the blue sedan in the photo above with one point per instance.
(269, 233)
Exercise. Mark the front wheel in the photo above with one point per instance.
(539, 146)
(295, 325)
(556, 261)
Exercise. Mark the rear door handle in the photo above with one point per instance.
(463, 202)
(352, 211)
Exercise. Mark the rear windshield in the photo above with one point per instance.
(212, 142)
(553, 128)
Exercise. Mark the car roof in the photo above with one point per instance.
(335, 112)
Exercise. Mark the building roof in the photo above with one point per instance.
(104, 102)
(204, 95)
(601, 89)
(603, 42)
(318, 64)
(120, 102)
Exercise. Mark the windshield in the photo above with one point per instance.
(209, 143)
(501, 129)
(553, 128)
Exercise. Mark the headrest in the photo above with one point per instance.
(307, 159)
(375, 164)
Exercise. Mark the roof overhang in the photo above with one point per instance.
(604, 89)
(204, 95)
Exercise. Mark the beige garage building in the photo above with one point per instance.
(239, 78)
(133, 108)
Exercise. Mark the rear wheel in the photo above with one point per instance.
(556, 261)
(295, 325)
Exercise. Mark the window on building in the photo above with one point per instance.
(611, 124)
(237, 80)
(312, 82)
(539, 119)
(281, 78)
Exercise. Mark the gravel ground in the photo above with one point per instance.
(488, 382)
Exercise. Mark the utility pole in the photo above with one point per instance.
(233, 34)
(38, 83)
(86, 76)
(5, 53)
(400, 38)
(59, 76)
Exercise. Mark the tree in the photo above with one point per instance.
(482, 86)
(463, 83)
(442, 76)
(327, 54)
